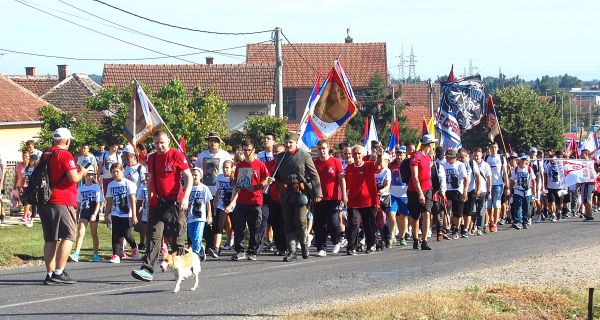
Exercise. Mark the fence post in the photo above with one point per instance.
(590, 304)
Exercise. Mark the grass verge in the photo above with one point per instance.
(494, 302)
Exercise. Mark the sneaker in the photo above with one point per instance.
(49, 281)
(62, 278)
(238, 256)
(115, 259)
(446, 236)
(479, 232)
(212, 252)
(251, 257)
(336, 248)
(291, 256)
(589, 219)
(416, 244)
(501, 222)
(464, 234)
(553, 218)
(343, 242)
(74, 257)
(96, 257)
(425, 246)
(493, 227)
(135, 254)
(29, 223)
(539, 219)
(402, 242)
(351, 252)
(455, 235)
(368, 251)
(526, 226)
(268, 246)
(226, 246)
(321, 253)
(142, 274)
(516, 226)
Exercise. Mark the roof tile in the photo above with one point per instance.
(71, 94)
(415, 97)
(17, 104)
(36, 84)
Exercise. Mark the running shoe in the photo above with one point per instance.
(62, 278)
(501, 222)
(268, 246)
(321, 253)
(553, 218)
(455, 235)
(74, 257)
(343, 242)
(336, 248)
(238, 256)
(464, 234)
(351, 252)
(212, 252)
(115, 259)
(526, 226)
(142, 274)
(416, 244)
(251, 257)
(96, 257)
(49, 281)
(425, 246)
(479, 232)
(539, 219)
(589, 219)
(226, 246)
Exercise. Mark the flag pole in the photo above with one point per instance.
(499, 129)
(133, 140)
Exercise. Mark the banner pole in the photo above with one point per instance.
(500, 129)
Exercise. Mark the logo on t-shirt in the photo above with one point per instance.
(169, 167)
(244, 178)
(71, 163)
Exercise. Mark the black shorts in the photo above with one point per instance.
(415, 207)
(470, 208)
(554, 197)
(455, 202)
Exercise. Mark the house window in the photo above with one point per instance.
(289, 103)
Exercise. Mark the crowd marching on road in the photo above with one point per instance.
(351, 198)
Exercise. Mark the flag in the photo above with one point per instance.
(591, 143)
(466, 98)
(573, 171)
(394, 138)
(580, 143)
(371, 135)
(571, 149)
(334, 106)
(451, 75)
(366, 130)
(491, 120)
(182, 144)
(142, 119)
(309, 137)
(427, 128)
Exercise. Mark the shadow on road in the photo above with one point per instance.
(140, 314)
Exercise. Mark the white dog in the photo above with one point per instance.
(184, 267)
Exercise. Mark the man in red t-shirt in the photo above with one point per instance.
(362, 198)
(333, 183)
(275, 215)
(420, 195)
(59, 215)
(168, 203)
(250, 178)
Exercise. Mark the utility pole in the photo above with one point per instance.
(401, 66)
(394, 102)
(278, 73)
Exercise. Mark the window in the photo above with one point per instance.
(289, 103)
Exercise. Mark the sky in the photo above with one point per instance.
(519, 37)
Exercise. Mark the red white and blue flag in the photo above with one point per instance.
(309, 136)
(371, 135)
(394, 138)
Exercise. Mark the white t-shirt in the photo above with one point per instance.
(134, 172)
(552, 181)
(485, 171)
(523, 178)
(455, 175)
(472, 173)
(224, 184)
(496, 164)
(88, 196)
(120, 191)
(83, 160)
(108, 160)
(199, 197)
(265, 156)
(142, 195)
(381, 177)
(212, 166)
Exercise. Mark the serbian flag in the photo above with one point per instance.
(394, 138)
(371, 136)
(591, 144)
(424, 130)
(309, 136)
(142, 119)
(491, 120)
(182, 144)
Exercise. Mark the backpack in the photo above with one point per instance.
(39, 190)
(405, 168)
(435, 176)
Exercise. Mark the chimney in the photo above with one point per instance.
(348, 38)
(62, 72)
(209, 60)
(30, 71)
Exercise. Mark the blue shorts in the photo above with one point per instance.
(496, 200)
(400, 206)
(586, 193)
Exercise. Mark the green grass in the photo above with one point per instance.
(21, 245)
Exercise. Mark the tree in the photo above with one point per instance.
(568, 82)
(53, 118)
(546, 85)
(255, 129)
(378, 104)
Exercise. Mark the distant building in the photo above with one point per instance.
(70, 96)
(418, 102)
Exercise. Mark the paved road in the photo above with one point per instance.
(268, 286)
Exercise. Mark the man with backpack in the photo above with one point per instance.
(500, 184)
(523, 181)
(438, 185)
(58, 214)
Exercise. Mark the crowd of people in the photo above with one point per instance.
(288, 199)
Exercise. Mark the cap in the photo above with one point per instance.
(128, 148)
(533, 149)
(451, 153)
(62, 133)
(34, 157)
(194, 168)
(91, 170)
(512, 155)
(214, 135)
(523, 156)
(427, 139)
(401, 149)
(291, 136)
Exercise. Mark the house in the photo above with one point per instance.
(248, 89)
(418, 100)
(19, 120)
(303, 61)
(39, 84)
(70, 96)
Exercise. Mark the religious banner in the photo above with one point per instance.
(572, 171)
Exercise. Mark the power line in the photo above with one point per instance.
(179, 27)
(151, 36)
(104, 34)
(298, 53)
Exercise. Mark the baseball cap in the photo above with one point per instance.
(128, 148)
(401, 149)
(451, 153)
(427, 139)
(62, 133)
(533, 149)
(523, 156)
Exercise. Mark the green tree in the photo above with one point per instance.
(546, 85)
(255, 129)
(568, 82)
(115, 103)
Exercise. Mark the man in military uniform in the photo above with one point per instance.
(297, 180)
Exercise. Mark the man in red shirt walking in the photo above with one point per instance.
(59, 216)
(333, 185)
(362, 198)
(250, 178)
(420, 196)
(168, 203)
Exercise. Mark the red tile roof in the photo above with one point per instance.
(36, 84)
(235, 83)
(415, 97)
(302, 61)
(71, 94)
(18, 104)
(338, 137)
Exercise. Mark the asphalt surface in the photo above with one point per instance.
(270, 287)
